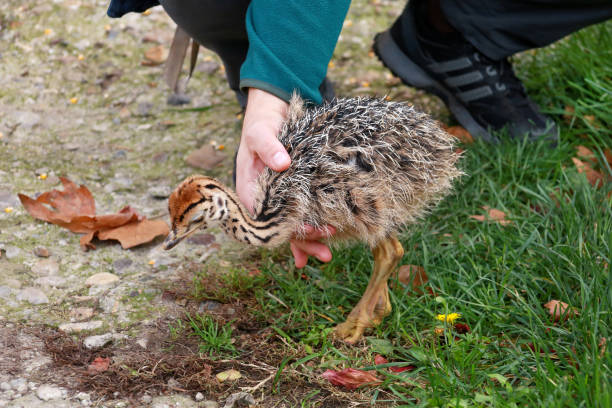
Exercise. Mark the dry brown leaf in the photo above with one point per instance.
(351, 378)
(595, 178)
(206, 157)
(608, 154)
(586, 154)
(413, 276)
(229, 375)
(568, 114)
(558, 309)
(460, 133)
(100, 364)
(155, 55)
(74, 209)
(494, 215)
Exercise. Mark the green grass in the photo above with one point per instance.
(214, 340)
(498, 277)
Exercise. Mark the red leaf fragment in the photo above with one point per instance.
(99, 365)
(462, 328)
(351, 378)
(414, 276)
(460, 133)
(595, 178)
(378, 360)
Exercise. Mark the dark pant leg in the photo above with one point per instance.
(218, 25)
(500, 28)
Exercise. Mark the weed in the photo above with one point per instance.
(215, 340)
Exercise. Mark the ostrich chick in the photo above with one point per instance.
(364, 166)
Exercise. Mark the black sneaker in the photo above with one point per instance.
(484, 95)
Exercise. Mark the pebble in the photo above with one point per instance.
(208, 67)
(33, 295)
(81, 313)
(4, 386)
(41, 252)
(239, 397)
(144, 108)
(46, 267)
(178, 99)
(83, 396)
(103, 278)
(82, 326)
(13, 283)
(208, 306)
(11, 251)
(48, 392)
(26, 119)
(120, 265)
(19, 384)
(51, 281)
(96, 342)
(146, 399)
(5, 291)
(209, 404)
(160, 192)
(199, 396)
(8, 199)
(142, 343)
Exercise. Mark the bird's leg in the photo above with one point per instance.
(374, 304)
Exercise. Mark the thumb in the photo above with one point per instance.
(271, 152)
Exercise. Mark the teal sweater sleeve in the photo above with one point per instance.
(290, 45)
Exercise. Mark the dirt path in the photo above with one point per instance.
(76, 101)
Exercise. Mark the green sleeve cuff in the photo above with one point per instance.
(264, 86)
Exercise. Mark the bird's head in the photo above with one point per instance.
(197, 203)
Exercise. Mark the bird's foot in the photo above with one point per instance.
(369, 312)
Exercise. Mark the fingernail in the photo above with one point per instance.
(279, 159)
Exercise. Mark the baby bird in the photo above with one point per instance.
(362, 165)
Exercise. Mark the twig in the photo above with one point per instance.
(259, 385)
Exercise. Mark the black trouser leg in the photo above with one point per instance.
(218, 25)
(500, 28)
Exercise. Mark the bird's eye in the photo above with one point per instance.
(197, 218)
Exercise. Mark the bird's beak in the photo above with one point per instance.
(172, 240)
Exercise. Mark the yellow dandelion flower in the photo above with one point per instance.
(48, 31)
(348, 23)
(221, 147)
(365, 84)
(81, 57)
(107, 27)
(152, 262)
(74, 100)
(448, 318)
(42, 176)
(147, 12)
(8, 210)
(331, 64)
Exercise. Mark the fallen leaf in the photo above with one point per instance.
(460, 133)
(155, 55)
(462, 328)
(351, 378)
(99, 365)
(558, 309)
(413, 276)
(586, 154)
(378, 360)
(228, 375)
(595, 178)
(494, 215)
(74, 209)
(206, 157)
(568, 113)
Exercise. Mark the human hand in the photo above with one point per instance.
(259, 147)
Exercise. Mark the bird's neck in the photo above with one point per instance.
(239, 224)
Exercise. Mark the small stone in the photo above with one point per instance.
(81, 313)
(239, 397)
(11, 251)
(82, 326)
(178, 99)
(27, 120)
(208, 306)
(19, 384)
(120, 265)
(96, 342)
(103, 278)
(208, 67)
(142, 343)
(13, 283)
(83, 396)
(199, 396)
(146, 399)
(5, 292)
(49, 392)
(109, 304)
(51, 281)
(209, 404)
(8, 199)
(201, 239)
(32, 295)
(144, 108)
(45, 267)
(41, 252)
(4, 386)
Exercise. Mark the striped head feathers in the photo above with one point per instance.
(198, 202)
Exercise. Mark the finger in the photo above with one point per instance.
(300, 257)
(314, 248)
(320, 233)
(270, 150)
